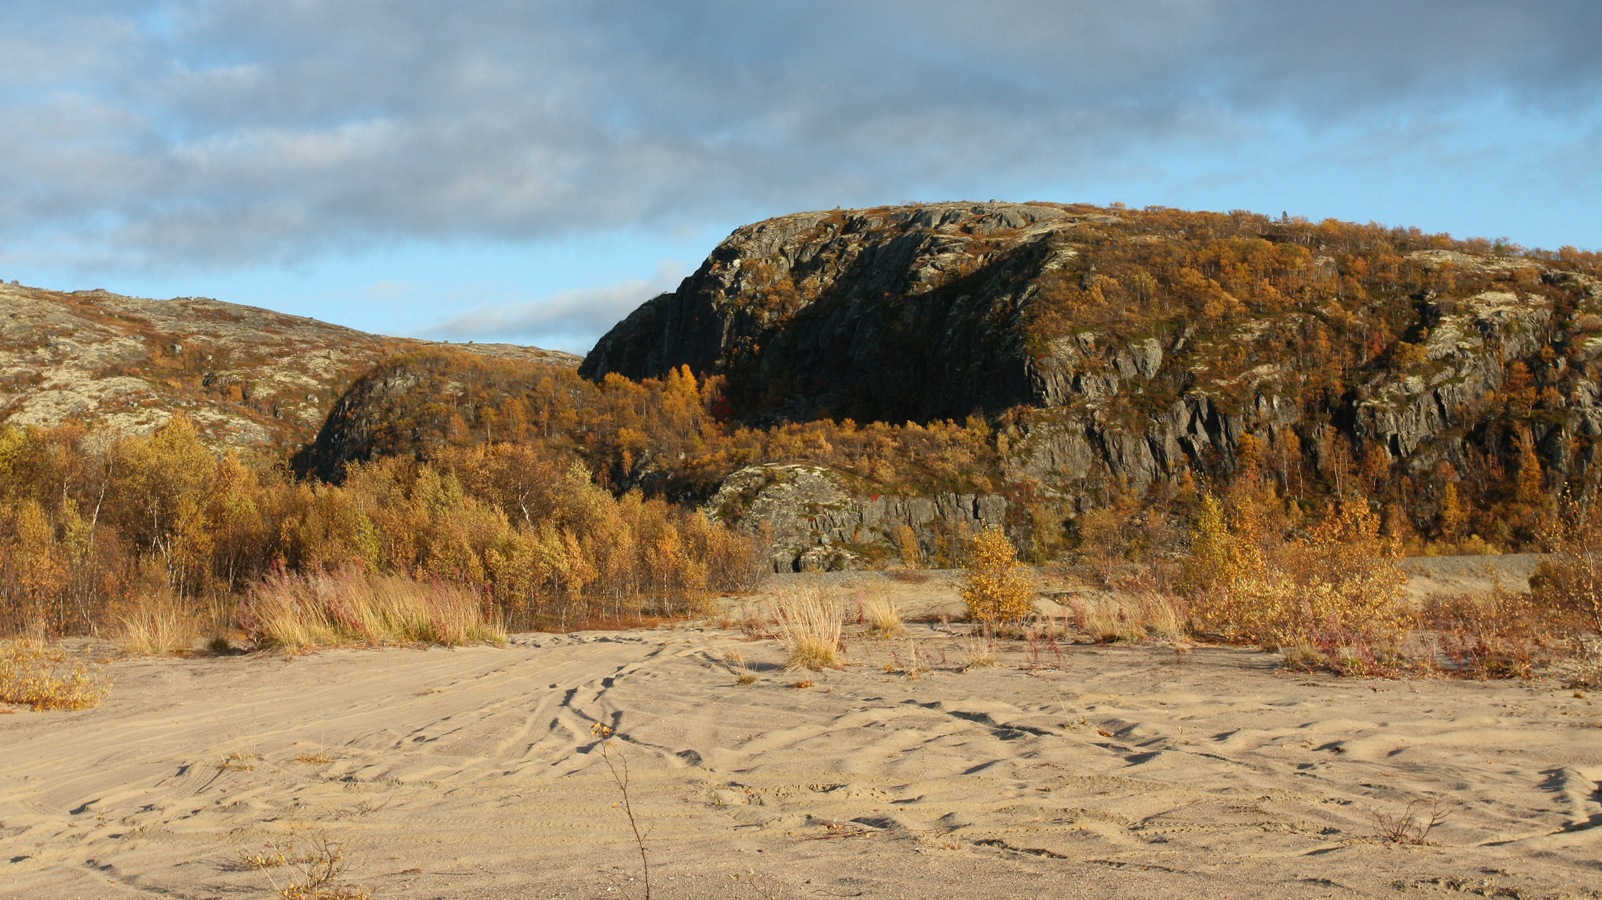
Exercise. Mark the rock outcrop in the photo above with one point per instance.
(816, 519)
(907, 313)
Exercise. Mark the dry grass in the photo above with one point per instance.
(977, 651)
(297, 612)
(239, 761)
(154, 624)
(909, 576)
(734, 661)
(1106, 619)
(314, 865)
(809, 626)
(45, 677)
(883, 617)
(1164, 617)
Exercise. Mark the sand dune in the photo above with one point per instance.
(1105, 771)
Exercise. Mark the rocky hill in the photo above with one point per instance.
(1118, 348)
(872, 384)
(248, 377)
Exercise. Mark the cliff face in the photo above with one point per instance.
(909, 313)
(1129, 346)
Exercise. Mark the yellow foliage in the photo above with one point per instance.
(1570, 580)
(998, 588)
(1340, 585)
(907, 544)
(48, 678)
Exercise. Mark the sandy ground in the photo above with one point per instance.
(1102, 771)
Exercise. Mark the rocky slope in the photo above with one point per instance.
(1117, 348)
(247, 376)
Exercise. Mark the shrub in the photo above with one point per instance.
(1350, 578)
(1570, 581)
(48, 678)
(1503, 636)
(1337, 590)
(998, 588)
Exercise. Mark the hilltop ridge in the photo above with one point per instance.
(247, 377)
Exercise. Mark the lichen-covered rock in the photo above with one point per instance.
(248, 378)
(819, 519)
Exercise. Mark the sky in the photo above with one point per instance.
(529, 171)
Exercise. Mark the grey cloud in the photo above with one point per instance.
(570, 320)
(238, 131)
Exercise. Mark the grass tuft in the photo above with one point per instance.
(809, 626)
(735, 662)
(978, 652)
(155, 624)
(883, 617)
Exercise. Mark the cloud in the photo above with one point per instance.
(568, 320)
(231, 132)
(390, 291)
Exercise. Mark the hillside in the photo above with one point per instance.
(860, 387)
(247, 377)
(1117, 350)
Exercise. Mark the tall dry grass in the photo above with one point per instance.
(1108, 619)
(156, 623)
(302, 611)
(809, 626)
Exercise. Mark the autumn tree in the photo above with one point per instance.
(998, 588)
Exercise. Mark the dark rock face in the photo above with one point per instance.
(897, 314)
